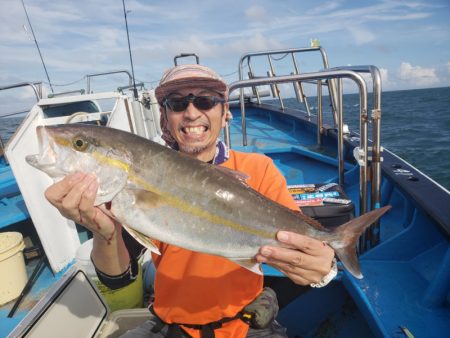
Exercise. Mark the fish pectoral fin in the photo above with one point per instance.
(141, 238)
(243, 177)
(249, 264)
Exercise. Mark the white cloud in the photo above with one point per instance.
(321, 8)
(384, 75)
(193, 44)
(400, 16)
(361, 35)
(256, 13)
(448, 67)
(417, 74)
(255, 43)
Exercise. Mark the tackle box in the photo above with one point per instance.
(73, 308)
(325, 202)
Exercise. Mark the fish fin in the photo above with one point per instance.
(249, 264)
(141, 238)
(345, 238)
(243, 177)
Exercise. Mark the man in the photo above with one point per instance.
(205, 293)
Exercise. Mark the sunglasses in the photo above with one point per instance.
(179, 104)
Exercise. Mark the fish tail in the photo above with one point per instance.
(345, 238)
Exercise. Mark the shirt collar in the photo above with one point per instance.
(222, 152)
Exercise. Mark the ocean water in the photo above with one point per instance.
(415, 125)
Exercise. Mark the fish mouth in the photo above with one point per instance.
(45, 159)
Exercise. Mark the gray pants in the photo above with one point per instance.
(274, 330)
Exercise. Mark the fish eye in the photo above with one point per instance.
(80, 144)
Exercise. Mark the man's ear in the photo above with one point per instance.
(225, 115)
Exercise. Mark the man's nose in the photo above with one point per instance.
(191, 112)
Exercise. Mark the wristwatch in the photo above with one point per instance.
(328, 278)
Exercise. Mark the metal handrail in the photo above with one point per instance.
(88, 78)
(141, 85)
(320, 76)
(37, 89)
(183, 55)
(292, 51)
(375, 200)
(33, 85)
(69, 92)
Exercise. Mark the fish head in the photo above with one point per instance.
(66, 149)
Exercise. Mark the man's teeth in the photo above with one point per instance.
(194, 130)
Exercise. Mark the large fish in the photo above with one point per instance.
(168, 196)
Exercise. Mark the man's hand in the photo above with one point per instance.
(306, 261)
(74, 197)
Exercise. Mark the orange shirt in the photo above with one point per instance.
(196, 288)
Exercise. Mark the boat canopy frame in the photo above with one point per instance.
(298, 86)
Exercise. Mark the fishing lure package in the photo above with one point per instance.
(325, 202)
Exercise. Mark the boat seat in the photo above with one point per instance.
(417, 261)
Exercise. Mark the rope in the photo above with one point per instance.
(280, 58)
(66, 84)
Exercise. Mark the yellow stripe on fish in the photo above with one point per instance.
(198, 212)
(177, 202)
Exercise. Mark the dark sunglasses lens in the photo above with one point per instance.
(177, 105)
(200, 102)
(204, 102)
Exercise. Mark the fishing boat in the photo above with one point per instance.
(334, 173)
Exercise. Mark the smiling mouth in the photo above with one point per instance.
(194, 130)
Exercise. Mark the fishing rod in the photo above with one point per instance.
(135, 92)
(37, 45)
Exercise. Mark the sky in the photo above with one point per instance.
(409, 41)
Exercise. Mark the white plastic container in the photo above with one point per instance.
(13, 274)
(83, 259)
(74, 308)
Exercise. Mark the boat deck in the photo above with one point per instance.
(413, 250)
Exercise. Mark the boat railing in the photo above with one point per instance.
(298, 85)
(67, 93)
(37, 89)
(36, 86)
(139, 85)
(184, 55)
(375, 149)
(319, 77)
(89, 76)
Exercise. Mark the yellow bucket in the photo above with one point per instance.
(13, 274)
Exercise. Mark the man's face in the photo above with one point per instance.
(196, 130)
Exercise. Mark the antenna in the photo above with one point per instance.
(136, 97)
(37, 45)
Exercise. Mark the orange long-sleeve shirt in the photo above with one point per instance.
(196, 288)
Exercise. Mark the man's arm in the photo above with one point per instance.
(74, 197)
(307, 260)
